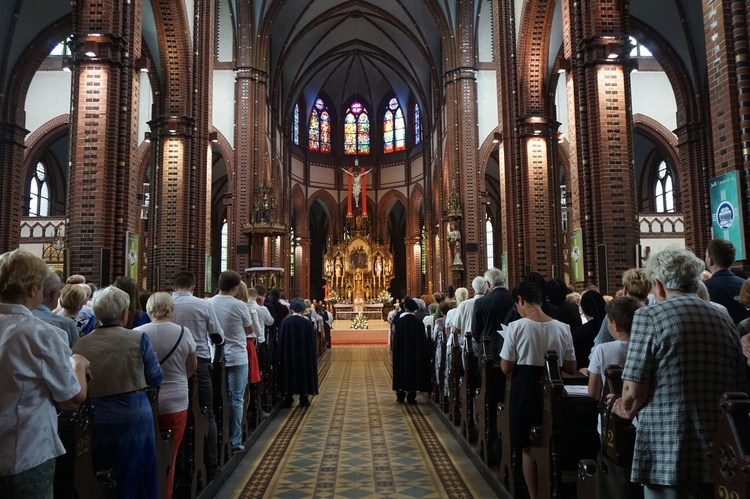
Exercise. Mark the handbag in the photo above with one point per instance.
(182, 331)
(613, 478)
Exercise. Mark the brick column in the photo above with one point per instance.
(11, 185)
(101, 191)
(413, 268)
(729, 90)
(595, 37)
(301, 286)
(201, 163)
(508, 154)
(170, 207)
(462, 170)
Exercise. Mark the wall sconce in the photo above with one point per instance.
(90, 49)
(560, 137)
(213, 137)
(67, 64)
(142, 64)
(147, 137)
(613, 50)
(634, 65)
(497, 137)
(537, 127)
(563, 65)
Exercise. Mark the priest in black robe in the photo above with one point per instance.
(298, 355)
(410, 355)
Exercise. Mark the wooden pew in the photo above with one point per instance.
(433, 348)
(193, 465)
(223, 412)
(442, 399)
(454, 383)
(510, 470)
(163, 440)
(729, 452)
(566, 435)
(617, 445)
(74, 471)
(467, 389)
(490, 394)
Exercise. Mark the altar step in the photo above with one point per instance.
(343, 334)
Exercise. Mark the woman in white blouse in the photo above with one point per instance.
(527, 340)
(175, 349)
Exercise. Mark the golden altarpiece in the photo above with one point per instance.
(357, 269)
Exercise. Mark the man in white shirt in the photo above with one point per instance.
(198, 316)
(235, 320)
(264, 320)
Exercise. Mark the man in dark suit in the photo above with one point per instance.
(490, 310)
(724, 286)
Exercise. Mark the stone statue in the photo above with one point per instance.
(454, 239)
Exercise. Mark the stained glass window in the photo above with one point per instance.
(417, 125)
(295, 125)
(319, 130)
(664, 190)
(394, 129)
(39, 192)
(356, 130)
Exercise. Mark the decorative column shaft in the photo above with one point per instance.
(101, 189)
(11, 185)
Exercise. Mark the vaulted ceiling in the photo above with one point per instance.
(371, 49)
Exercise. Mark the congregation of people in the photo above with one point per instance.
(678, 328)
(121, 349)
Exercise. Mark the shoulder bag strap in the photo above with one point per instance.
(182, 331)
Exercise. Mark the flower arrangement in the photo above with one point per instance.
(360, 322)
(384, 297)
(333, 297)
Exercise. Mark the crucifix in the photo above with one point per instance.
(356, 183)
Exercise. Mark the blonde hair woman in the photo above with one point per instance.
(253, 368)
(175, 348)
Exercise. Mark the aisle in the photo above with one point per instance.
(356, 441)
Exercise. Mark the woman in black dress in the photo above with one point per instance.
(592, 304)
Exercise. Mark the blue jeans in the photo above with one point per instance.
(206, 399)
(236, 383)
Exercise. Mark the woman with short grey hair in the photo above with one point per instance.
(124, 365)
(110, 304)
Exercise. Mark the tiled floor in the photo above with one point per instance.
(356, 441)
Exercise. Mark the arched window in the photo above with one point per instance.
(394, 130)
(62, 48)
(423, 244)
(356, 130)
(224, 245)
(292, 250)
(417, 125)
(319, 130)
(490, 244)
(39, 192)
(638, 50)
(295, 125)
(663, 190)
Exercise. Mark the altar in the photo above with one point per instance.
(357, 269)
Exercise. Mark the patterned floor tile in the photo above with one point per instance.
(355, 441)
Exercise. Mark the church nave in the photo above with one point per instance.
(356, 441)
